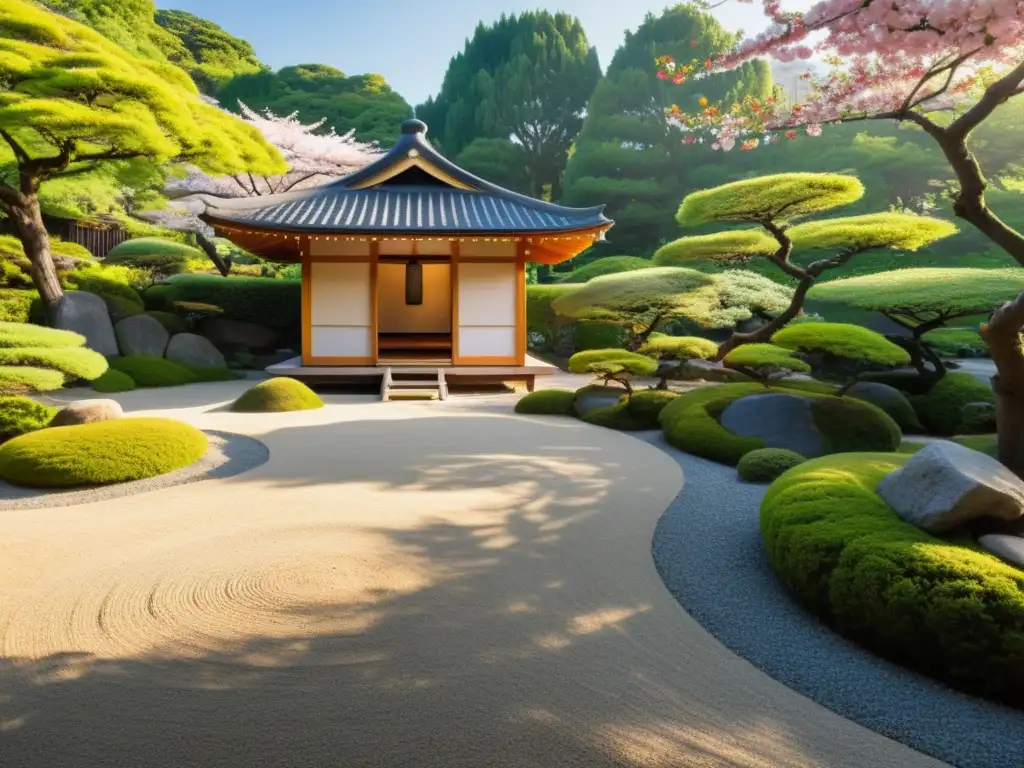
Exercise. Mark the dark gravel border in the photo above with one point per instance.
(707, 548)
(228, 454)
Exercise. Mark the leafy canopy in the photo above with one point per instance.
(852, 342)
(898, 231)
(70, 92)
(765, 356)
(781, 197)
(662, 347)
(612, 363)
(608, 265)
(210, 54)
(925, 292)
(731, 245)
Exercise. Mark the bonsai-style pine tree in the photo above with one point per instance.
(840, 350)
(37, 359)
(618, 365)
(774, 203)
(642, 300)
(764, 362)
(922, 300)
(71, 99)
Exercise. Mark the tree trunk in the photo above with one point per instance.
(765, 332)
(28, 226)
(210, 249)
(1002, 334)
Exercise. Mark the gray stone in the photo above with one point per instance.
(191, 349)
(1008, 548)
(782, 421)
(224, 332)
(946, 485)
(86, 412)
(141, 335)
(87, 314)
(595, 396)
(707, 370)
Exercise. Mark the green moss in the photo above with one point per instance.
(25, 335)
(609, 265)
(17, 378)
(661, 347)
(899, 410)
(943, 608)
(114, 381)
(20, 415)
(766, 464)
(849, 424)
(150, 371)
(612, 361)
(73, 362)
(100, 453)
(630, 414)
(170, 321)
(556, 402)
(278, 395)
(941, 409)
(615, 417)
(208, 374)
(15, 305)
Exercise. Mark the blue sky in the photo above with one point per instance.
(411, 41)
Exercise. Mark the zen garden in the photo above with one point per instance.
(648, 399)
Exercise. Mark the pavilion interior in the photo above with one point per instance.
(409, 331)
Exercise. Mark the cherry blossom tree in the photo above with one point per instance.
(943, 65)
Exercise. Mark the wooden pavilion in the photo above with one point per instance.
(411, 266)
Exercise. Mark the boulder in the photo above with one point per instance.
(87, 314)
(227, 333)
(782, 421)
(890, 400)
(86, 412)
(192, 349)
(595, 396)
(1008, 548)
(141, 335)
(707, 370)
(946, 485)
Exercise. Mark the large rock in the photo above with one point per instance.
(595, 396)
(87, 314)
(946, 485)
(1009, 548)
(706, 370)
(890, 400)
(141, 335)
(191, 349)
(782, 421)
(227, 333)
(86, 412)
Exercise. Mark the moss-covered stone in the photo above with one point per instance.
(278, 395)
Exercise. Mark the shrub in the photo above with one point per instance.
(557, 402)
(957, 342)
(15, 305)
(941, 409)
(34, 358)
(19, 415)
(636, 413)
(170, 321)
(609, 265)
(114, 381)
(614, 417)
(597, 335)
(273, 303)
(73, 362)
(765, 464)
(661, 347)
(690, 423)
(159, 298)
(613, 365)
(100, 453)
(26, 379)
(764, 362)
(978, 418)
(900, 410)
(150, 371)
(24, 335)
(278, 395)
(158, 254)
(209, 374)
(852, 342)
(943, 608)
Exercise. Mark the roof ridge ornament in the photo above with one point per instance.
(414, 126)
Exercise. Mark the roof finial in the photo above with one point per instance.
(414, 126)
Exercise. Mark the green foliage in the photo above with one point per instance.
(18, 378)
(36, 359)
(639, 412)
(15, 305)
(540, 315)
(526, 76)
(849, 424)
(150, 371)
(899, 409)
(278, 395)
(782, 197)
(73, 362)
(731, 245)
(555, 402)
(941, 607)
(956, 342)
(157, 254)
(20, 415)
(170, 321)
(766, 357)
(210, 374)
(609, 265)
(208, 53)
(897, 231)
(595, 334)
(113, 381)
(661, 347)
(764, 465)
(363, 103)
(100, 453)
(978, 418)
(273, 303)
(24, 335)
(498, 160)
(842, 340)
(941, 409)
(612, 363)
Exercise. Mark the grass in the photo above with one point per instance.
(549, 402)
(277, 396)
(20, 415)
(100, 453)
(942, 607)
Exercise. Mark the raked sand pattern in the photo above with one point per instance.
(401, 584)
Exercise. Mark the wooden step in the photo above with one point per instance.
(413, 388)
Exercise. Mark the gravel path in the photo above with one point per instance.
(708, 550)
(228, 455)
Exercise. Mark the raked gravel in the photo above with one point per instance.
(228, 454)
(708, 550)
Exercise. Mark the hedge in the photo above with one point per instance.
(941, 607)
(941, 409)
(114, 381)
(100, 453)
(608, 265)
(764, 465)
(171, 322)
(273, 303)
(17, 378)
(20, 415)
(151, 371)
(691, 424)
(552, 402)
(277, 396)
(156, 253)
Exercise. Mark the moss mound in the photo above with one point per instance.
(101, 453)
(72, 362)
(278, 395)
(15, 378)
(552, 402)
(690, 423)
(941, 409)
(170, 321)
(765, 464)
(945, 609)
(150, 371)
(639, 413)
(114, 381)
(20, 415)
(37, 336)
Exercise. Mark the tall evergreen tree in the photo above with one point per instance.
(525, 79)
(627, 155)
